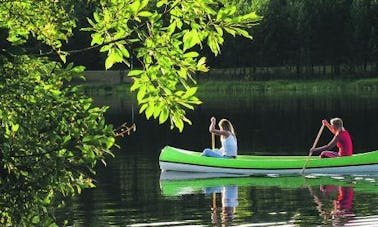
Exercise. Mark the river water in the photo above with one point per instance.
(132, 191)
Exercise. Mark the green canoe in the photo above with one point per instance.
(176, 159)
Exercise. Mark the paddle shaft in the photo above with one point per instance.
(313, 146)
(317, 137)
(212, 141)
(213, 147)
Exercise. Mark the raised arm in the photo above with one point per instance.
(218, 132)
(329, 126)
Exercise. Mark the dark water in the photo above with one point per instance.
(130, 192)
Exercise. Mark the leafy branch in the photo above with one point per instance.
(164, 43)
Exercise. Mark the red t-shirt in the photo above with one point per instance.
(344, 143)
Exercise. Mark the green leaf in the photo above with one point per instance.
(143, 4)
(141, 93)
(164, 114)
(230, 31)
(149, 111)
(243, 33)
(109, 62)
(190, 92)
(202, 61)
(36, 219)
(191, 54)
(172, 28)
(145, 14)
(14, 127)
(66, 139)
(78, 69)
(63, 55)
(109, 142)
(135, 6)
(135, 72)
(179, 123)
(106, 47)
(157, 111)
(161, 3)
(190, 39)
(186, 105)
(143, 108)
(114, 56)
(96, 16)
(97, 39)
(213, 44)
(123, 50)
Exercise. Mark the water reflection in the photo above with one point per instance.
(229, 201)
(332, 197)
(334, 203)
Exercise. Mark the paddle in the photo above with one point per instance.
(313, 146)
(213, 147)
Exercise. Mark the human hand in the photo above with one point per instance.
(212, 119)
(324, 122)
(312, 150)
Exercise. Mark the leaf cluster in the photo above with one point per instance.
(164, 36)
(51, 137)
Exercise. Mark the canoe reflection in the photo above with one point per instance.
(333, 195)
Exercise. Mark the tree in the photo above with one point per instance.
(51, 136)
(163, 38)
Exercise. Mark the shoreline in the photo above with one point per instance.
(210, 86)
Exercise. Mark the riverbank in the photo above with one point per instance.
(245, 74)
(240, 87)
(308, 86)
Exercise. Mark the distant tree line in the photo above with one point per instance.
(308, 37)
(296, 37)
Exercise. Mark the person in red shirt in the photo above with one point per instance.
(341, 139)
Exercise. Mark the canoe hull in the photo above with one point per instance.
(361, 169)
(176, 159)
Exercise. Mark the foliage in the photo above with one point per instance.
(164, 38)
(304, 34)
(51, 136)
(49, 22)
(163, 35)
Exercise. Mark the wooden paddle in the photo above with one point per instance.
(213, 147)
(313, 146)
(212, 141)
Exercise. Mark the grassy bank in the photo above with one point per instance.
(237, 87)
(287, 85)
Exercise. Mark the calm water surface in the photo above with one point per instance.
(131, 190)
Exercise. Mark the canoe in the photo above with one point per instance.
(177, 159)
(174, 183)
